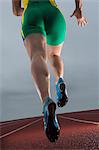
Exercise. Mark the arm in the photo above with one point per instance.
(78, 13)
(78, 9)
(16, 7)
(78, 4)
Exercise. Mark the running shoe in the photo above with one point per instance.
(61, 91)
(51, 125)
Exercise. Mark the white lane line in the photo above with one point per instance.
(6, 123)
(89, 113)
(12, 121)
(16, 130)
(82, 113)
(79, 120)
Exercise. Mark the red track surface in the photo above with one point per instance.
(79, 131)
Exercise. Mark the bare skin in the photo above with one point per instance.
(16, 7)
(36, 48)
(39, 52)
(78, 13)
(55, 60)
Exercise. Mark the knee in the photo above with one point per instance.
(37, 59)
(53, 57)
(38, 54)
(39, 64)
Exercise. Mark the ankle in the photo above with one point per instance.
(47, 101)
(60, 79)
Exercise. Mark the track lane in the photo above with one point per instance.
(75, 135)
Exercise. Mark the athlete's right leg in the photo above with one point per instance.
(36, 47)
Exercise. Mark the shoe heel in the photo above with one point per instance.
(62, 87)
(52, 109)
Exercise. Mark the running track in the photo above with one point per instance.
(79, 131)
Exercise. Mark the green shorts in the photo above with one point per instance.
(43, 17)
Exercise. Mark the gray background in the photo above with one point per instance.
(18, 97)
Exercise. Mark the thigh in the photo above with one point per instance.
(54, 50)
(55, 26)
(35, 43)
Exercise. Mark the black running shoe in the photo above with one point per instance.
(51, 125)
(61, 91)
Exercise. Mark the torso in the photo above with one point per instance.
(25, 3)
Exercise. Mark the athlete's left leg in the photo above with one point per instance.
(57, 65)
(55, 60)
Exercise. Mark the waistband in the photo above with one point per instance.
(38, 1)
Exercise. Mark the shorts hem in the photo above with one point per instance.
(27, 33)
(55, 44)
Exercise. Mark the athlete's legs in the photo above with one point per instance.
(55, 60)
(36, 47)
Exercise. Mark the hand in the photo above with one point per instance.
(80, 19)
